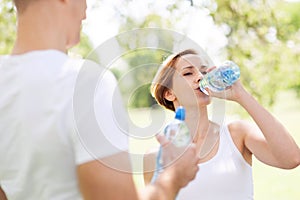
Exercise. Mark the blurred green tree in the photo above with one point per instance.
(260, 38)
(263, 38)
(289, 29)
(143, 63)
(7, 26)
(135, 79)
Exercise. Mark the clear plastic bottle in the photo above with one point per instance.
(178, 133)
(220, 78)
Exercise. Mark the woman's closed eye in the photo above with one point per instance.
(187, 73)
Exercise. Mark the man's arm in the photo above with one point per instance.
(149, 161)
(174, 177)
(98, 180)
(101, 179)
(2, 194)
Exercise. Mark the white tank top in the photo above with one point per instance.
(227, 176)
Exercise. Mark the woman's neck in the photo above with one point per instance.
(205, 133)
(197, 121)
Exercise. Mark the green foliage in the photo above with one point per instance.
(7, 26)
(290, 15)
(142, 64)
(258, 43)
(83, 48)
(263, 38)
(136, 77)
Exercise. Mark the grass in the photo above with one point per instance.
(269, 183)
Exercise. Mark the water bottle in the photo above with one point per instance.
(178, 133)
(220, 78)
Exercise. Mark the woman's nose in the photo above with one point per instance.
(199, 77)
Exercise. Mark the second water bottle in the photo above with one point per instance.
(178, 133)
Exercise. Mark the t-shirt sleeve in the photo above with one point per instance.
(100, 117)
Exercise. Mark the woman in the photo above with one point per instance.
(225, 150)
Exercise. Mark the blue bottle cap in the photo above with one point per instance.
(180, 113)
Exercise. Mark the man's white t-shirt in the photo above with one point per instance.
(55, 114)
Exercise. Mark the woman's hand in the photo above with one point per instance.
(232, 93)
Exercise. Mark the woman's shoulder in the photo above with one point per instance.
(239, 130)
(240, 127)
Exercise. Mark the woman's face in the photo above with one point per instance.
(190, 69)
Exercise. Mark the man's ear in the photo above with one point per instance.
(169, 95)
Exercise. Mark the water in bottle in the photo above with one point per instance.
(178, 133)
(220, 78)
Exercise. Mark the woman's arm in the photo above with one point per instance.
(271, 143)
(276, 147)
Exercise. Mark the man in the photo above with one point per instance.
(47, 146)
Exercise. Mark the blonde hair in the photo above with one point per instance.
(162, 81)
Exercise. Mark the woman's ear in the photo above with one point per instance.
(169, 95)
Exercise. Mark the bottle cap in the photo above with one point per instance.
(180, 113)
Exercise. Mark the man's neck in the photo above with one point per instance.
(38, 32)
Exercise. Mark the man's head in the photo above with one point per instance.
(59, 19)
